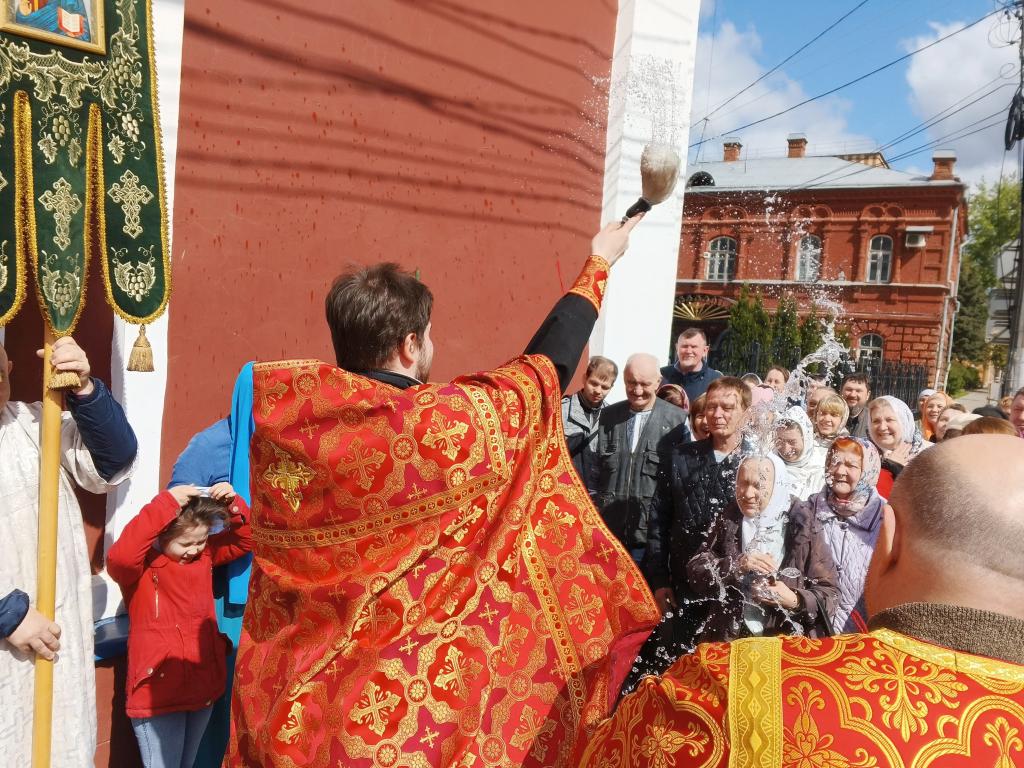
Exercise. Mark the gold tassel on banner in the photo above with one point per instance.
(141, 358)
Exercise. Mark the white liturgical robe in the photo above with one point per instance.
(74, 694)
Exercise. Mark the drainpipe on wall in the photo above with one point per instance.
(953, 298)
(946, 337)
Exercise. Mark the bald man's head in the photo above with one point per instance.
(641, 375)
(962, 503)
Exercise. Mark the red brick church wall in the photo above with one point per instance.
(462, 139)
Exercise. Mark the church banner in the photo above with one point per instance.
(81, 167)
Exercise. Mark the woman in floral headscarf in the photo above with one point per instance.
(892, 430)
(849, 510)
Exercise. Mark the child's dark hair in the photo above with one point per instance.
(200, 510)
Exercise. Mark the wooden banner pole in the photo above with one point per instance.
(46, 561)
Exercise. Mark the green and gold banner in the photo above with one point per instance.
(81, 167)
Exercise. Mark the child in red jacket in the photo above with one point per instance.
(164, 562)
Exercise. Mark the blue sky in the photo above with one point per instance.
(741, 39)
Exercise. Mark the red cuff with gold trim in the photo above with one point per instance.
(592, 280)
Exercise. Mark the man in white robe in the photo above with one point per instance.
(97, 453)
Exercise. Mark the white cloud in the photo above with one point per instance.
(734, 62)
(953, 70)
(707, 8)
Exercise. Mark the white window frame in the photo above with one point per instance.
(870, 353)
(879, 260)
(721, 266)
(808, 254)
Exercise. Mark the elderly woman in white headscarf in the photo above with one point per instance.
(770, 569)
(892, 430)
(804, 458)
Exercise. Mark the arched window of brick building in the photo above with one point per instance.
(870, 350)
(808, 259)
(722, 259)
(880, 259)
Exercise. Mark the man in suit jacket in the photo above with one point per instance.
(634, 443)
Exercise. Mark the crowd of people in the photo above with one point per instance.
(751, 505)
(432, 577)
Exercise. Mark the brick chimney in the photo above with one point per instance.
(731, 147)
(944, 160)
(797, 144)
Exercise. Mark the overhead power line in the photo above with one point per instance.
(856, 79)
(789, 58)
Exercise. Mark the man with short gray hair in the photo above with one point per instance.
(635, 440)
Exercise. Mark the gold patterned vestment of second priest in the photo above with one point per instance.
(880, 700)
(431, 584)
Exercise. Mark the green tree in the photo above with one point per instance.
(785, 332)
(969, 330)
(742, 330)
(995, 221)
(762, 334)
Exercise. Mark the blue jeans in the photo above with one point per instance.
(171, 740)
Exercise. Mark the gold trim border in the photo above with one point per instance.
(21, 264)
(755, 703)
(161, 184)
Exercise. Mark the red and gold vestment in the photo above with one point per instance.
(432, 585)
(879, 700)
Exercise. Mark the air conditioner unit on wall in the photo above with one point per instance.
(915, 240)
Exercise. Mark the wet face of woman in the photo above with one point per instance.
(789, 442)
(754, 483)
(885, 428)
(844, 471)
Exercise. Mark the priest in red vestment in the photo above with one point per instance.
(431, 584)
(937, 682)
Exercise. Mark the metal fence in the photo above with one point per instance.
(902, 380)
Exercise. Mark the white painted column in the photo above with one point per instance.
(652, 38)
(142, 394)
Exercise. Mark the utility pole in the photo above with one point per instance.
(1014, 378)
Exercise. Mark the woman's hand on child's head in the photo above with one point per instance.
(222, 492)
(182, 493)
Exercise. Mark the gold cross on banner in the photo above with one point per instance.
(131, 196)
(63, 204)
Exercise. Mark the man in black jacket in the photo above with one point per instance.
(635, 438)
(699, 484)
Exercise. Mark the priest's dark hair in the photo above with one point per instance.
(372, 310)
